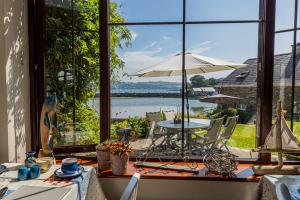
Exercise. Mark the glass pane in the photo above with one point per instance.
(58, 13)
(145, 10)
(137, 101)
(86, 50)
(297, 91)
(59, 70)
(237, 44)
(283, 71)
(282, 75)
(86, 14)
(75, 84)
(222, 9)
(284, 14)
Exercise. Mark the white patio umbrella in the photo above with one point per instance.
(194, 64)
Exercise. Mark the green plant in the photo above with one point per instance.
(219, 112)
(139, 126)
(244, 116)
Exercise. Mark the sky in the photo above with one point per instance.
(233, 42)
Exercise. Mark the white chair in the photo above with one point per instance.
(210, 139)
(155, 132)
(130, 192)
(229, 127)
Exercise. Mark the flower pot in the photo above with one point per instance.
(119, 163)
(103, 160)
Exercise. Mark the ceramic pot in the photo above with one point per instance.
(119, 163)
(103, 158)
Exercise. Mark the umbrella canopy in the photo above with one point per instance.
(194, 64)
(221, 99)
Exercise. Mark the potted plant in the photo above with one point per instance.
(103, 156)
(119, 155)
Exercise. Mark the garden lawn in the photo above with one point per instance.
(244, 135)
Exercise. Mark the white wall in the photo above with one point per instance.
(14, 81)
(155, 189)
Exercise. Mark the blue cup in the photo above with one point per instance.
(69, 165)
(35, 171)
(23, 173)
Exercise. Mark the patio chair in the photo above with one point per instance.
(155, 132)
(228, 130)
(130, 192)
(210, 139)
(169, 114)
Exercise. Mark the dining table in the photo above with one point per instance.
(189, 128)
(47, 186)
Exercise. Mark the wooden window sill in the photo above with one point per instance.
(243, 174)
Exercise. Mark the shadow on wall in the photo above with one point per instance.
(18, 107)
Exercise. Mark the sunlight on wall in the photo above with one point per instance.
(14, 81)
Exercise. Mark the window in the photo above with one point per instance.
(154, 41)
(144, 34)
(286, 64)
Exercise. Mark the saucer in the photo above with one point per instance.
(58, 173)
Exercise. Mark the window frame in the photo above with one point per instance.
(266, 35)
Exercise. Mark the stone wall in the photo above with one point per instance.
(248, 95)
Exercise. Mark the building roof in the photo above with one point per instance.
(247, 76)
(204, 89)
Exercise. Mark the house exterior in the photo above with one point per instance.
(204, 91)
(243, 83)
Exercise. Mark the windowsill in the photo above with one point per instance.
(243, 174)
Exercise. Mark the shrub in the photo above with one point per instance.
(244, 116)
(139, 126)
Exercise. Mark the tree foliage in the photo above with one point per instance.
(72, 46)
(200, 81)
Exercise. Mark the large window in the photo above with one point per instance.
(145, 34)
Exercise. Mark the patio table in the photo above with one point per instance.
(189, 128)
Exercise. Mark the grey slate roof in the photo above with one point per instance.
(282, 72)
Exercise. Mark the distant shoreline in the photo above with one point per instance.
(132, 95)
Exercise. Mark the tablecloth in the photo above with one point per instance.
(268, 186)
(87, 186)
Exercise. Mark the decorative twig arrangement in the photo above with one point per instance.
(219, 161)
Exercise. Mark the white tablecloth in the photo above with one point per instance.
(268, 186)
(86, 186)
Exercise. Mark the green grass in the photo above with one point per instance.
(244, 135)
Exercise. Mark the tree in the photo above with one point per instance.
(213, 81)
(198, 81)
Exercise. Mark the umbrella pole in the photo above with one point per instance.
(187, 96)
